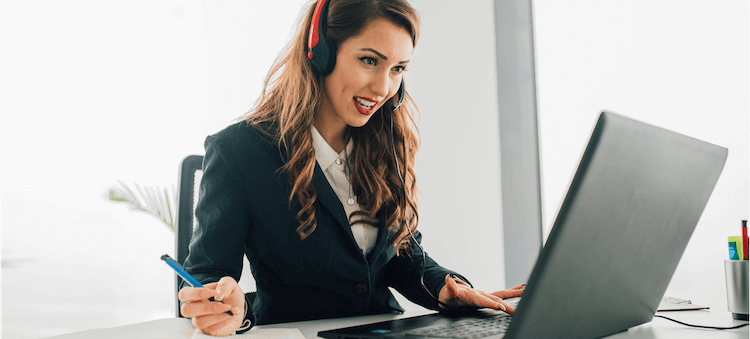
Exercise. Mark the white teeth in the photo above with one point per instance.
(365, 103)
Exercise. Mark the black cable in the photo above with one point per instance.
(699, 326)
(403, 189)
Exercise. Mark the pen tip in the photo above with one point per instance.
(165, 257)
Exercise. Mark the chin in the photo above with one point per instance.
(358, 123)
(359, 120)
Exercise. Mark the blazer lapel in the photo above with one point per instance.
(331, 202)
(381, 242)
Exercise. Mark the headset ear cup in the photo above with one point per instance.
(401, 94)
(330, 57)
(321, 48)
(324, 56)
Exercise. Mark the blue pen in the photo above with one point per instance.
(185, 275)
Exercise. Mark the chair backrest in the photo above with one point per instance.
(187, 189)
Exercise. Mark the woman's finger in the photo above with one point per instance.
(519, 287)
(499, 304)
(507, 294)
(193, 294)
(225, 287)
(460, 281)
(479, 299)
(207, 321)
(202, 308)
(506, 307)
(222, 328)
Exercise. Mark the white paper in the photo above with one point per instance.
(257, 333)
(176, 328)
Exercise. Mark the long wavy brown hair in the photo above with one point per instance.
(291, 97)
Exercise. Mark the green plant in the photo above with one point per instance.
(156, 201)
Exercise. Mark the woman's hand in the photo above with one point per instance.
(210, 316)
(457, 293)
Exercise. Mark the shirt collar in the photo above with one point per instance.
(324, 153)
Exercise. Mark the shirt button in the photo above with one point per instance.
(339, 162)
(360, 288)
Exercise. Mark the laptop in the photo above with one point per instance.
(629, 213)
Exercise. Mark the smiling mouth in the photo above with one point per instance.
(364, 103)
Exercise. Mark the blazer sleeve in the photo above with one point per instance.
(218, 242)
(404, 273)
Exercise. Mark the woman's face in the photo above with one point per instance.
(368, 72)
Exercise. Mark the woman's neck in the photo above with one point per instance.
(334, 134)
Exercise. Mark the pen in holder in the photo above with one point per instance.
(736, 276)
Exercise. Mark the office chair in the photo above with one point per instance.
(185, 221)
(188, 180)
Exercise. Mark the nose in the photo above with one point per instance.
(380, 85)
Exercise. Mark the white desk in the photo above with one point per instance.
(656, 329)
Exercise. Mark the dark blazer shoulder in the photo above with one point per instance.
(243, 138)
(246, 151)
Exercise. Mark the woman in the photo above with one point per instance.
(316, 185)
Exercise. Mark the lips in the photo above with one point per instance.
(364, 105)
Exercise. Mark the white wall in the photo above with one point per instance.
(681, 65)
(93, 92)
(453, 80)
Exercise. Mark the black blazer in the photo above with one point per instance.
(243, 208)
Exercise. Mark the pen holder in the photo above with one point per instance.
(736, 276)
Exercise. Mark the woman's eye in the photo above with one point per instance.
(368, 61)
(400, 69)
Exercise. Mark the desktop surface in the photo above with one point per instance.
(656, 329)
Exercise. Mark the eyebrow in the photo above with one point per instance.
(381, 55)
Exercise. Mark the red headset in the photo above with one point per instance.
(321, 49)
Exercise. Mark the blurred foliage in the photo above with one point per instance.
(156, 201)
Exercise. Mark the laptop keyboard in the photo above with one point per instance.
(465, 328)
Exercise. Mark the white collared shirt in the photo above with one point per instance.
(334, 167)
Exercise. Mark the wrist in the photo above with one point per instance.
(247, 323)
(443, 297)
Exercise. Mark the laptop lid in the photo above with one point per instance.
(626, 220)
(631, 208)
